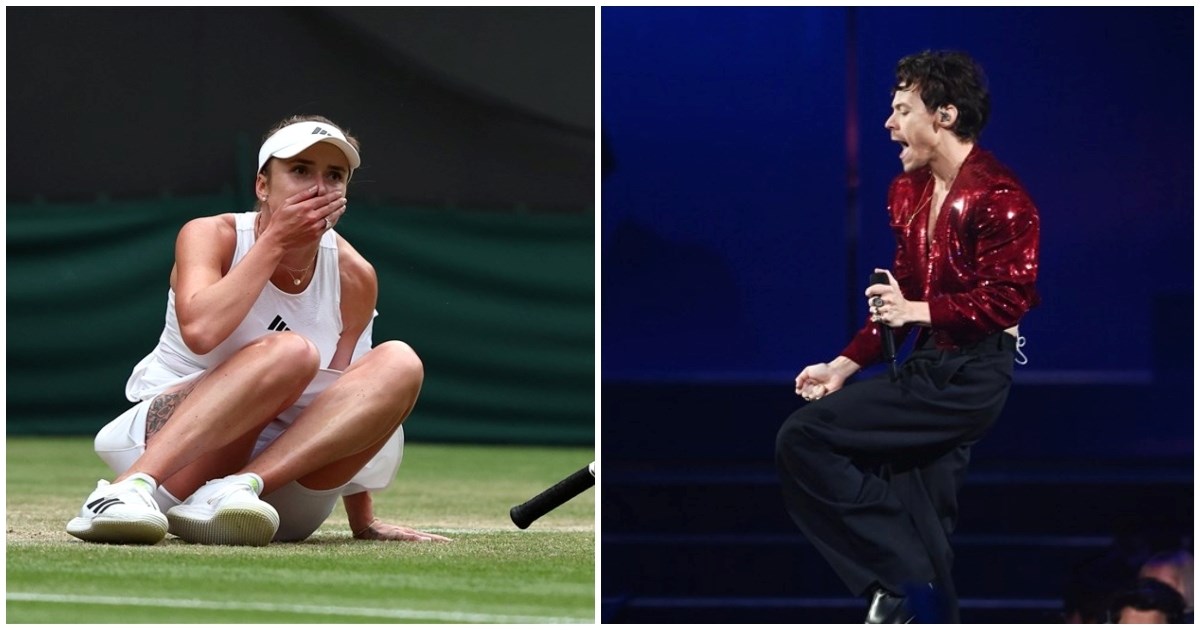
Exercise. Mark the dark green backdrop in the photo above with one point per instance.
(498, 305)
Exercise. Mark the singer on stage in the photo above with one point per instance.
(871, 470)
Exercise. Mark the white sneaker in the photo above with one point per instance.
(226, 512)
(122, 513)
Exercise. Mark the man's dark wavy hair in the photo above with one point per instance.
(1148, 594)
(947, 77)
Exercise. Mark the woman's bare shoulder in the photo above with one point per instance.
(360, 287)
(354, 268)
(220, 226)
(208, 241)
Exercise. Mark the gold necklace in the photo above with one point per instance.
(920, 206)
(303, 272)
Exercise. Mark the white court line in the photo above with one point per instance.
(384, 613)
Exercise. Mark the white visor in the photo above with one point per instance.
(294, 138)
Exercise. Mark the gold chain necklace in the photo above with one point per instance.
(921, 206)
(303, 272)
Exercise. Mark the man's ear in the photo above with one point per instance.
(946, 116)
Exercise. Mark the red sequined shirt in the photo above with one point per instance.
(978, 271)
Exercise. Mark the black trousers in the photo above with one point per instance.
(871, 473)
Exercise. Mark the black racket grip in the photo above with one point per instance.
(552, 497)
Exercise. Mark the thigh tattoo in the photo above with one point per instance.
(164, 406)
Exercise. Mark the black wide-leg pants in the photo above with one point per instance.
(871, 473)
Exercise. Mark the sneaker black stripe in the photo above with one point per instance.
(93, 504)
(107, 503)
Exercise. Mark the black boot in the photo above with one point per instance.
(888, 607)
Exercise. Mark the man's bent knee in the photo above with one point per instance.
(786, 436)
(797, 435)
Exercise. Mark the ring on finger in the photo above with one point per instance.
(877, 301)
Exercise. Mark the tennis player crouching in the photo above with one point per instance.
(263, 401)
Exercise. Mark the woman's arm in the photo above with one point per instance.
(360, 512)
(360, 290)
(209, 302)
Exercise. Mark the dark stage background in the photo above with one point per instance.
(737, 240)
(475, 201)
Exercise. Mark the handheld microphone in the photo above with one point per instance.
(885, 333)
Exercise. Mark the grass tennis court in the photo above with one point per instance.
(491, 573)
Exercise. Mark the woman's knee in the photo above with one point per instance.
(396, 361)
(290, 352)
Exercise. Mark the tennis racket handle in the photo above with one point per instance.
(552, 497)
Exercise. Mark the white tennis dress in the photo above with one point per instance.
(314, 313)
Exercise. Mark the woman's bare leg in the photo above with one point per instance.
(347, 424)
(207, 429)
